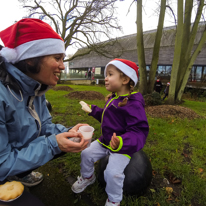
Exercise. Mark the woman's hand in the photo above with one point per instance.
(67, 145)
(114, 143)
(76, 127)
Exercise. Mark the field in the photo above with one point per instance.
(176, 147)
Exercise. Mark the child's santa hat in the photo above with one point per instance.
(29, 38)
(168, 83)
(129, 68)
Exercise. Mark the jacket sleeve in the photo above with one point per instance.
(137, 130)
(15, 159)
(96, 112)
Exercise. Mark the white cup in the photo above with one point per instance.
(87, 132)
(75, 139)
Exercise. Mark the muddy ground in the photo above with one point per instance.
(55, 189)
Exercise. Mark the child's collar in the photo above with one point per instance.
(123, 95)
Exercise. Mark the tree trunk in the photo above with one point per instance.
(188, 45)
(177, 53)
(155, 56)
(187, 73)
(140, 51)
(185, 41)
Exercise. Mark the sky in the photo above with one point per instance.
(11, 12)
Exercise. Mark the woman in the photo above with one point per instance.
(31, 63)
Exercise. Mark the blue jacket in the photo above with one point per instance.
(27, 134)
(128, 122)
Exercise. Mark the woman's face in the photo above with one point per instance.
(51, 67)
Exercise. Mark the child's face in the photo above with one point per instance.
(113, 80)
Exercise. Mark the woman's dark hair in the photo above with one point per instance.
(32, 65)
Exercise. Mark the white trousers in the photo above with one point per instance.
(113, 174)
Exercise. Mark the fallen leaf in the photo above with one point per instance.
(169, 190)
(176, 181)
(169, 199)
(200, 170)
(185, 155)
(152, 190)
(153, 172)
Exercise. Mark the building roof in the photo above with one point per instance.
(129, 45)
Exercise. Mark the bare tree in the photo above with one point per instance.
(82, 23)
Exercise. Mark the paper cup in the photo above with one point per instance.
(75, 139)
(87, 132)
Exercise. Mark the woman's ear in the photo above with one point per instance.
(126, 80)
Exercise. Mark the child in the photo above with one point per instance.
(166, 91)
(124, 129)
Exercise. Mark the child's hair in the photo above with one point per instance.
(131, 89)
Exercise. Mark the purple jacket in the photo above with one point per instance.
(128, 122)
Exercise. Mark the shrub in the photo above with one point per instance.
(152, 99)
(204, 94)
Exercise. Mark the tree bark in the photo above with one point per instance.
(185, 41)
(140, 51)
(177, 53)
(155, 56)
(191, 62)
(188, 45)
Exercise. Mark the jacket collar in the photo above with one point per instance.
(122, 96)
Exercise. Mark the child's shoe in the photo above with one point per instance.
(108, 203)
(82, 183)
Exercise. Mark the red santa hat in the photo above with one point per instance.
(168, 83)
(129, 68)
(29, 38)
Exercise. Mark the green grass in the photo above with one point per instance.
(174, 146)
(198, 107)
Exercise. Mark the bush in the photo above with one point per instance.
(152, 99)
(204, 94)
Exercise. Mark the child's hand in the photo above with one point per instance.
(85, 107)
(114, 143)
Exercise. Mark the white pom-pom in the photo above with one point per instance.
(10, 55)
